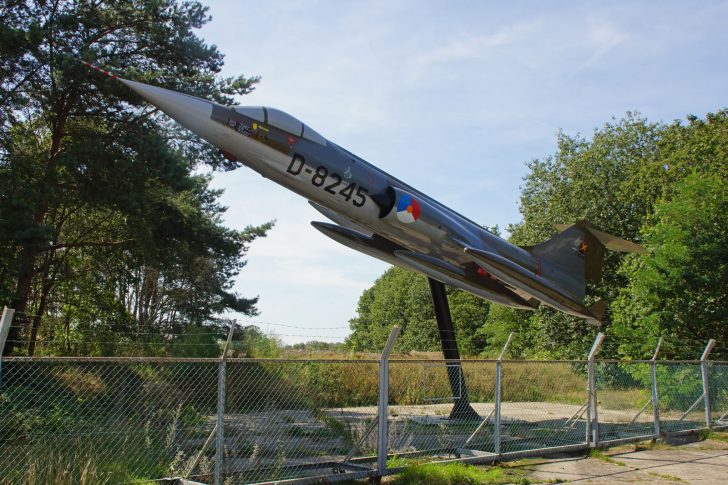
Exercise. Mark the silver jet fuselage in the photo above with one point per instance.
(382, 216)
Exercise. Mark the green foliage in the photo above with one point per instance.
(64, 470)
(59, 413)
(400, 297)
(252, 342)
(315, 346)
(594, 180)
(198, 341)
(601, 455)
(107, 219)
(455, 474)
(680, 289)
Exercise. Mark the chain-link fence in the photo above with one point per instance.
(718, 375)
(126, 418)
(290, 419)
(625, 404)
(136, 420)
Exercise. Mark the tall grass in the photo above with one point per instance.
(62, 470)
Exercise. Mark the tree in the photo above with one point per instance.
(604, 181)
(680, 290)
(401, 297)
(95, 181)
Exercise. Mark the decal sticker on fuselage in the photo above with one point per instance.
(408, 209)
(321, 177)
(583, 247)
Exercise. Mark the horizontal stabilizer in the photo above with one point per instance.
(575, 255)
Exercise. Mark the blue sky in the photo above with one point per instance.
(452, 97)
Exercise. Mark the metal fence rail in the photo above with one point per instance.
(122, 420)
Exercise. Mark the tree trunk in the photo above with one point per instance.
(30, 252)
(37, 318)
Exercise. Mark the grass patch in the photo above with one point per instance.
(666, 476)
(457, 474)
(652, 445)
(600, 455)
(399, 462)
(311, 432)
(624, 399)
(718, 436)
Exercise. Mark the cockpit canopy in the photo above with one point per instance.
(281, 120)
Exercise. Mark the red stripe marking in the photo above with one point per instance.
(538, 262)
(108, 73)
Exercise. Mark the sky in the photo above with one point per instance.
(452, 97)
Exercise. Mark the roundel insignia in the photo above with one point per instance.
(584, 247)
(408, 209)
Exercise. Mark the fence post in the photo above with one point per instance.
(220, 438)
(706, 384)
(592, 427)
(5, 322)
(384, 401)
(498, 385)
(655, 396)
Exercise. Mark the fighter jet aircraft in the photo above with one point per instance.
(379, 215)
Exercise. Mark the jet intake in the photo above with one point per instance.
(385, 200)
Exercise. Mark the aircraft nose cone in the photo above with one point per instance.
(191, 112)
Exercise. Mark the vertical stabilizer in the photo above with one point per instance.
(575, 255)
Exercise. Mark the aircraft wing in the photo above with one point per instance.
(369, 244)
(339, 219)
(465, 279)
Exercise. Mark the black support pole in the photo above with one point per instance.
(462, 408)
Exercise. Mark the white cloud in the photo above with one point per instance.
(601, 37)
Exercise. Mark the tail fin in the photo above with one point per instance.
(575, 255)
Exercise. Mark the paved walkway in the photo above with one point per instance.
(704, 462)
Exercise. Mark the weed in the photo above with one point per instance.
(718, 436)
(666, 477)
(172, 430)
(58, 470)
(398, 462)
(600, 455)
(653, 445)
(457, 474)
(311, 432)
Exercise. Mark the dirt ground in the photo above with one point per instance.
(703, 462)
